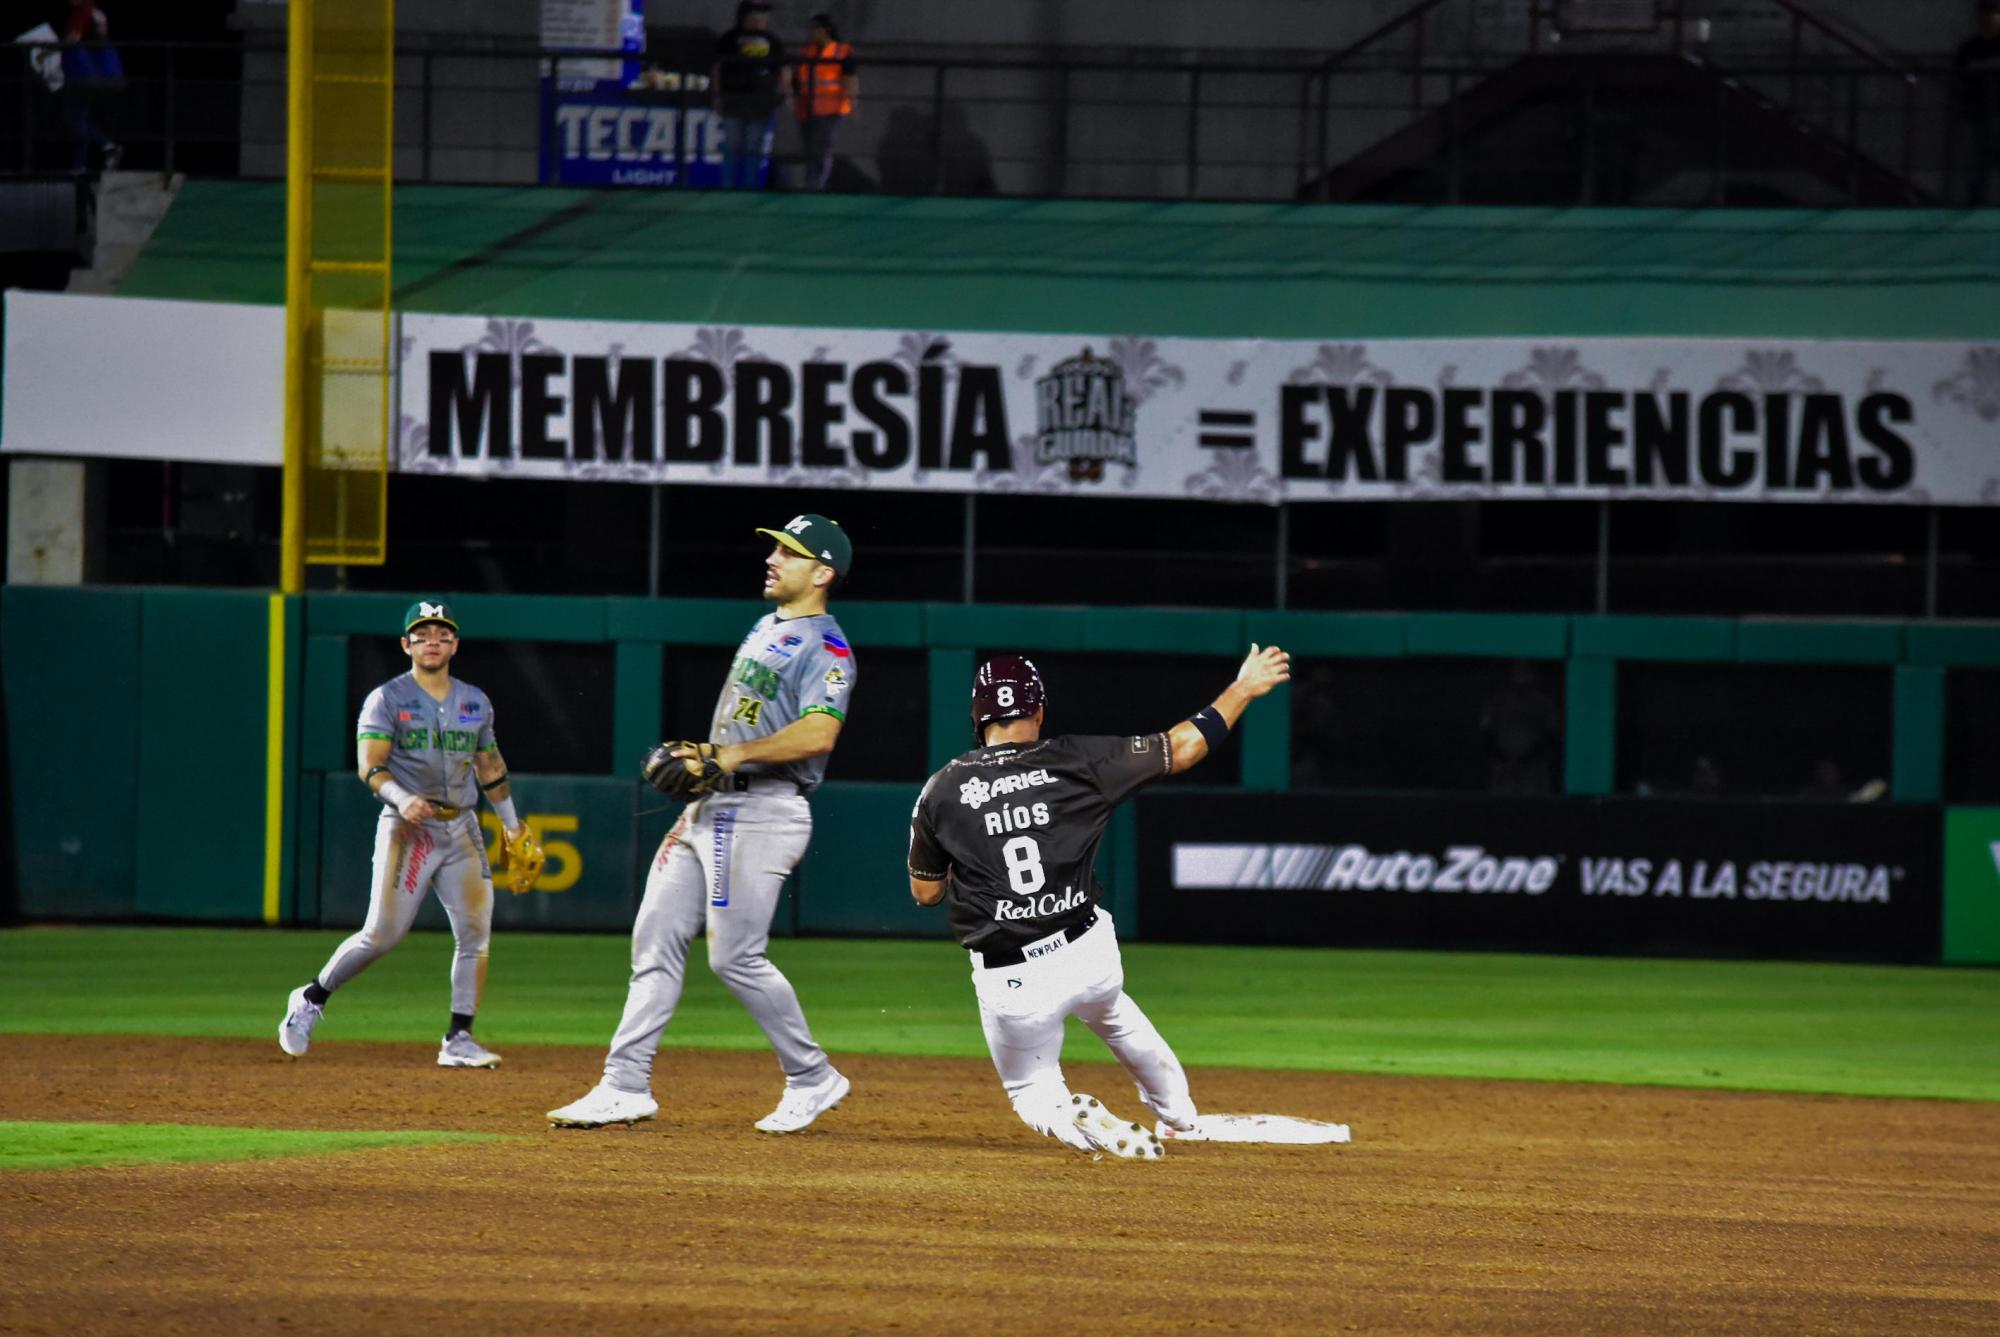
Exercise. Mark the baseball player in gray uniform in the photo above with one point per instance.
(725, 861)
(425, 747)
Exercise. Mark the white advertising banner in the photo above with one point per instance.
(125, 376)
(1240, 420)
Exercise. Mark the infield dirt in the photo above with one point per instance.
(921, 1205)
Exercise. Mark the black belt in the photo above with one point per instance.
(1014, 956)
(752, 784)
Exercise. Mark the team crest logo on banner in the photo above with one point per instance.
(1083, 416)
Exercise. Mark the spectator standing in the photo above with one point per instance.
(749, 85)
(92, 70)
(824, 87)
(1978, 97)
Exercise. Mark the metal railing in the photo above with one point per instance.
(1086, 125)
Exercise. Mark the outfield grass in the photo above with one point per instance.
(1862, 1030)
(70, 1146)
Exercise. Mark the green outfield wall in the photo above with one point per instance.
(141, 755)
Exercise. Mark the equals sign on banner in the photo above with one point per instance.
(1227, 429)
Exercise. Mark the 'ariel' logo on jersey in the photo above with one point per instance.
(977, 792)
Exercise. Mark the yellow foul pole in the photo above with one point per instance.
(298, 291)
(291, 540)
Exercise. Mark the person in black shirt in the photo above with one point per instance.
(1006, 835)
(749, 87)
(1978, 98)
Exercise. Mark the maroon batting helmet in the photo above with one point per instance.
(1007, 687)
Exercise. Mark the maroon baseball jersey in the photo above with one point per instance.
(1012, 830)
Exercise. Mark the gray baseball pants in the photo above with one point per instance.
(448, 857)
(722, 868)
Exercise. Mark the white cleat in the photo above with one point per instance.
(802, 1104)
(295, 1032)
(1111, 1135)
(460, 1050)
(602, 1105)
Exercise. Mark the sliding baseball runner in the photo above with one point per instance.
(745, 828)
(1006, 835)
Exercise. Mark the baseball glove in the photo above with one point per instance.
(522, 859)
(683, 777)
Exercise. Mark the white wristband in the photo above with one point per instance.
(505, 808)
(394, 794)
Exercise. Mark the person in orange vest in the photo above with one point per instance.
(823, 91)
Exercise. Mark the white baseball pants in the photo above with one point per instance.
(1022, 1009)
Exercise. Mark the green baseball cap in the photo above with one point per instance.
(816, 537)
(427, 610)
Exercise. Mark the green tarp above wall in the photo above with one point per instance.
(1218, 270)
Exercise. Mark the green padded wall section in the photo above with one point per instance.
(681, 621)
(637, 689)
(1954, 644)
(1916, 772)
(329, 716)
(73, 729)
(293, 871)
(988, 626)
(1267, 742)
(1149, 267)
(882, 624)
(856, 878)
(1171, 631)
(1353, 635)
(1590, 726)
(951, 704)
(1793, 641)
(170, 705)
(1623, 636)
(201, 759)
(1496, 635)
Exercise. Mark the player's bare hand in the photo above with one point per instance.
(416, 808)
(1264, 668)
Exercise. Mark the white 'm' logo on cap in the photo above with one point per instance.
(798, 524)
(430, 610)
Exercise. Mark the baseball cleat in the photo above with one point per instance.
(460, 1050)
(1111, 1135)
(295, 1032)
(602, 1105)
(802, 1104)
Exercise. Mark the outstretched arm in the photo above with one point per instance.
(1262, 669)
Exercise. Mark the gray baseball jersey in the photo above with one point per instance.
(432, 742)
(786, 669)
